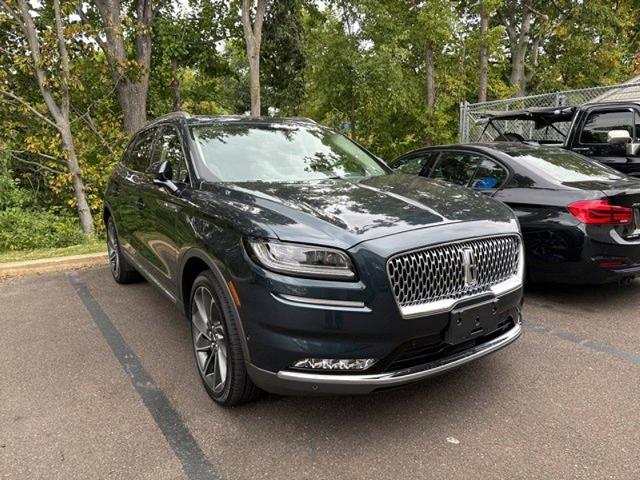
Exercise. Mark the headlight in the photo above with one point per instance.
(302, 260)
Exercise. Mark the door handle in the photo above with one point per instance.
(140, 203)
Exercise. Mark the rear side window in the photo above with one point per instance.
(489, 175)
(456, 167)
(599, 124)
(138, 157)
(565, 166)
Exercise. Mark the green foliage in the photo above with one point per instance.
(24, 226)
(283, 57)
(358, 66)
(27, 229)
(11, 195)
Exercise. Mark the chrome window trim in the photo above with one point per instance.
(445, 305)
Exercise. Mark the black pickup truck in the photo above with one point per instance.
(607, 132)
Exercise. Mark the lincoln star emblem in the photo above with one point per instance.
(470, 267)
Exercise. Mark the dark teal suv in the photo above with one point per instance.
(305, 265)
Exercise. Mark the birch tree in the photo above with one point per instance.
(54, 85)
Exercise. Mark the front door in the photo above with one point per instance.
(593, 141)
(162, 209)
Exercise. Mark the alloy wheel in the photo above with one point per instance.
(112, 249)
(209, 340)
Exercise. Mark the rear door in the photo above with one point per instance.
(591, 137)
(133, 180)
(470, 169)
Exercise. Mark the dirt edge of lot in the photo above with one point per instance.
(48, 265)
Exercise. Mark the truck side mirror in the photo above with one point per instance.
(618, 137)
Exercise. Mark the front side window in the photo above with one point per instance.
(279, 153)
(169, 148)
(412, 165)
(456, 167)
(599, 124)
(139, 156)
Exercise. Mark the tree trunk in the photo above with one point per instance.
(132, 98)
(518, 78)
(131, 84)
(484, 55)
(175, 85)
(431, 77)
(254, 83)
(84, 211)
(253, 40)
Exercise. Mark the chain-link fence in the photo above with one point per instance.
(473, 131)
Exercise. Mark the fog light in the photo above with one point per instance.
(335, 363)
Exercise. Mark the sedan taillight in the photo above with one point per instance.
(600, 212)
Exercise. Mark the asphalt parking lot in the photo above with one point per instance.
(97, 380)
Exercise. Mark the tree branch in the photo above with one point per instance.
(40, 154)
(34, 45)
(64, 60)
(86, 118)
(39, 165)
(101, 43)
(11, 12)
(29, 107)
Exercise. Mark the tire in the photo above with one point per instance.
(121, 270)
(216, 344)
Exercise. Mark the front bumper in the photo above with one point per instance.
(286, 319)
(291, 382)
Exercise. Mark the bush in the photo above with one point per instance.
(22, 229)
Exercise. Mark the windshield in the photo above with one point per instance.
(564, 166)
(279, 152)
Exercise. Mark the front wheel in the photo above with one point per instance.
(216, 344)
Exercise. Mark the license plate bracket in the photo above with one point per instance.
(469, 322)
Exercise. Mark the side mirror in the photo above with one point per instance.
(618, 137)
(164, 177)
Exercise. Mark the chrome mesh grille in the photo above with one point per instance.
(436, 273)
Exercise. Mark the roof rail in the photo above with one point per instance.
(169, 116)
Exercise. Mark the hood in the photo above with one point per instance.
(346, 212)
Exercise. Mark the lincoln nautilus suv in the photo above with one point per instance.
(303, 263)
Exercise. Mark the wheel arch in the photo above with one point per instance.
(195, 261)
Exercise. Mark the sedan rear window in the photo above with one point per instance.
(564, 166)
(277, 152)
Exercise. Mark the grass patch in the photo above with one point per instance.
(92, 246)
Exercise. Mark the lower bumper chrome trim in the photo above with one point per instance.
(410, 374)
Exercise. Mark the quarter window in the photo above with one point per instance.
(139, 155)
(489, 175)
